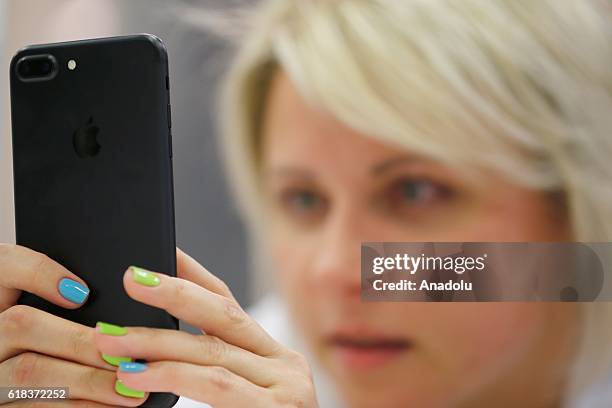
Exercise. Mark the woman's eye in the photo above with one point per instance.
(302, 203)
(303, 200)
(415, 193)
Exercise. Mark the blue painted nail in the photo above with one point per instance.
(73, 291)
(132, 367)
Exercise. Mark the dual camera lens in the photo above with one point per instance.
(36, 67)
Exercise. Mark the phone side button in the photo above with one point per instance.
(169, 116)
(170, 142)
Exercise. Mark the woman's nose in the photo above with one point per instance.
(337, 266)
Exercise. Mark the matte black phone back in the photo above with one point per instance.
(97, 213)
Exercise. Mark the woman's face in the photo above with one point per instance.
(329, 189)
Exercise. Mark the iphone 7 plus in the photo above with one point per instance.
(92, 157)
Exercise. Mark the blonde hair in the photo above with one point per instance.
(523, 87)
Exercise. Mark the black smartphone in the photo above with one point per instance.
(92, 158)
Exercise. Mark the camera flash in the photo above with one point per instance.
(72, 65)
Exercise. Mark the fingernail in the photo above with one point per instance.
(73, 290)
(127, 392)
(144, 277)
(132, 367)
(115, 360)
(111, 329)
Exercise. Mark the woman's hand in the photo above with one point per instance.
(38, 349)
(234, 364)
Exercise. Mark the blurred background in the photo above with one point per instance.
(199, 48)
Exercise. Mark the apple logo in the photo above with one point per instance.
(85, 139)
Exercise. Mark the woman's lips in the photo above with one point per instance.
(366, 352)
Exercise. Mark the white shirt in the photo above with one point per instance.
(272, 315)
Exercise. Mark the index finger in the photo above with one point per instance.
(24, 269)
(215, 314)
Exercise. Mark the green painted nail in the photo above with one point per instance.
(111, 329)
(127, 392)
(115, 360)
(144, 277)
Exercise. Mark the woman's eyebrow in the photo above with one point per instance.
(394, 162)
(288, 171)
